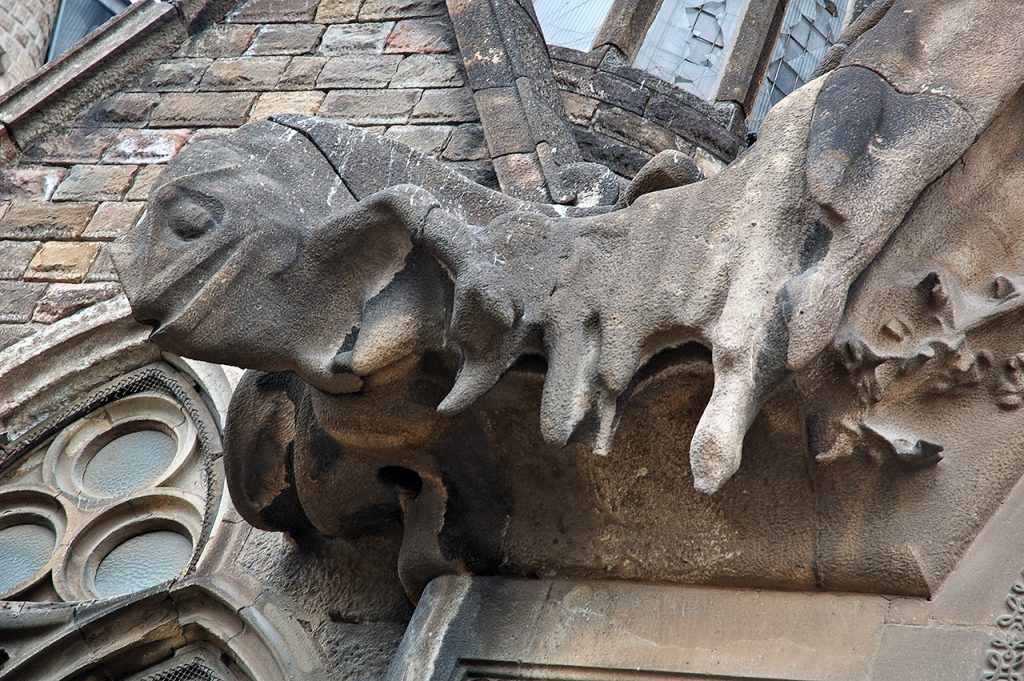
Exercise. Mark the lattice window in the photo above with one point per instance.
(689, 41)
(809, 29)
(572, 23)
(112, 496)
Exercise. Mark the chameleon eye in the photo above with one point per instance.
(190, 221)
(189, 218)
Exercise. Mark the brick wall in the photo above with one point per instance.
(623, 116)
(25, 27)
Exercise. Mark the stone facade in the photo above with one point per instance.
(25, 28)
(368, 504)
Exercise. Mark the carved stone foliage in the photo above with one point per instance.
(407, 326)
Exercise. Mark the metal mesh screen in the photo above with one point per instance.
(571, 24)
(689, 41)
(193, 670)
(809, 29)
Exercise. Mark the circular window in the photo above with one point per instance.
(142, 561)
(129, 462)
(24, 549)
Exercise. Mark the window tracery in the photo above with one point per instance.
(111, 497)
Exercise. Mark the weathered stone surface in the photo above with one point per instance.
(602, 86)
(15, 256)
(77, 145)
(273, 103)
(429, 70)
(378, 10)
(446, 105)
(245, 73)
(61, 300)
(127, 108)
(146, 146)
(33, 221)
(286, 39)
(508, 131)
(95, 183)
(202, 109)
(176, 75)
(341, 38)
(634, 129)
(670, 113)
(371, 106)
(430, 139)
(467, 144)
(359, 71)
(219, 40)
(62, 261)
(429, 35)
(18, 300)
(112, 219)
(578, 108)
(267, 11)
(144, 180)
(337, 11)
(29, 183)
(301, 73)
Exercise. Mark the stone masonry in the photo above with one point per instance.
(25, 27)
(390, 66)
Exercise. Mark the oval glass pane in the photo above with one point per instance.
(24, 549)
(142, 561)
(129, 462)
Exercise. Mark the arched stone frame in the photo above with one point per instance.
(49, 382)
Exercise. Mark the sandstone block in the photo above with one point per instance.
(377, 10)
(446, 105)
(123, 108)
(634, 130)
(521, 175)
(578, 108)
(467, 144)
(176, 75)
(17, 300)
(508, 131)
(202, 109)
(286, 39)
(429, 70)
(45, 220)
(302, 72)
(337, 11)
(262, 11)
(28, 183)
(112, 219)
(144, 180)
(430, 139)
(428, 35)
(244, 73)
(370, 106)
(273, 103)
(95, 183)
(342, 38)
(62, 300)
(77, 145)
(15, 257)
(67, 261)
(219, 40)
(358, 71)
(146, 146)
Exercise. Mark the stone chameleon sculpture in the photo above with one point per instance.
(304, 245)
